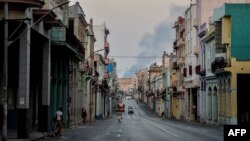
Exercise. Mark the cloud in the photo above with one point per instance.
(153, 45)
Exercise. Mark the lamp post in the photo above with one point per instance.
(7, 43)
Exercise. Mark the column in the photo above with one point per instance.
(213, 105)
(219, 102)
(24, 85)
(43, 118)
(210, 105)
(229, 107)
(216, 103)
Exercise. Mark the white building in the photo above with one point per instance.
(191, 61)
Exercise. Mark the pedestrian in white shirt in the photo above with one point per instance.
(59, 118)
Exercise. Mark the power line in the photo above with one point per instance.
(136, 56)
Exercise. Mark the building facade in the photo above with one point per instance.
(192, 81)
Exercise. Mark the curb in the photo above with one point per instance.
(41, 137)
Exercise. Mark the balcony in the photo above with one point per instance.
(218, 63)
(181, 88)
(51, 19)
(23, 4)
(175, 66)
(175, 44)
(172, 89)
(196, 50)
(181, 61)
(200, 71)
(182, 28)
(196, 82)
(180, 42)
(62, 36)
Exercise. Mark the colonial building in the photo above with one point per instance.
(192, 81)
(77, 25)
(178, 65)
(29, 69)
(172, 89)
(101, 33)
(205, 10)
(154, 74)
(231, 64)
(142, 86)
(165, 95)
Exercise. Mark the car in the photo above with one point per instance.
(128, 97)
(130, 110)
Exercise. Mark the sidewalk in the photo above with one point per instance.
(33, 136)
(143, 105)
(12, 136)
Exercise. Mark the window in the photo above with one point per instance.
(190, 70)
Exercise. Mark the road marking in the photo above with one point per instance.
(164, 130)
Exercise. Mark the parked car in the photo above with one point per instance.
(130, 110)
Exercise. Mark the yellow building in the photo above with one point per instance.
(177, 87)
(232, 63)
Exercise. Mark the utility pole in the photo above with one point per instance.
(5, 73)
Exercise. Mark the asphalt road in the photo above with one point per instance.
(143, 125)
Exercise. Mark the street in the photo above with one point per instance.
(143, 125)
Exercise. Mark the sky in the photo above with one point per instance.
(140, 30)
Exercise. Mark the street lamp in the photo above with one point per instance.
(7, 43)
(94, 53)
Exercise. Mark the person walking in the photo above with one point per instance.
(84, 115)
(162, 115)
(119, 116)
(59, 119)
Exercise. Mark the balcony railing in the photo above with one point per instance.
(180, 42)
(172, 89)
(218, 63)
(196, 82)
(181, 61)
(221, 48)
(181, 88)
(198, 69)
(64, 35)
(175, 66)
(196, 50)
